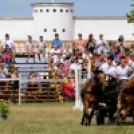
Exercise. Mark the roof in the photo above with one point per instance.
(75, 18)
(100, 18)
(16, 18)
(52, 4)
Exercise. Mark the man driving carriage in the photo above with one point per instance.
(109, 70)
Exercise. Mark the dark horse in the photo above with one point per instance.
(125, 97)
(91, 94)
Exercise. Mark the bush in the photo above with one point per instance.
(4, 107)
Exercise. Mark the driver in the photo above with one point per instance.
(109, 69)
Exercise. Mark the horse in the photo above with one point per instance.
(91, 94)
(125, 97)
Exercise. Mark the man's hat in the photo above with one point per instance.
(111, 57)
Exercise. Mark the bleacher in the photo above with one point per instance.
(40, 92)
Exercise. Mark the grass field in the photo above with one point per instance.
(52, 118)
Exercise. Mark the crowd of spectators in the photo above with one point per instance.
(66, 58)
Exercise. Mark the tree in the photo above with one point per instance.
(130, 15)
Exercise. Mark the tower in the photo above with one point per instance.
(51, 18)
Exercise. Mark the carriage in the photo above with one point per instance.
(107, 108)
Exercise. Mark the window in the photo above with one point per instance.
(61, 10)
(67, 10)
(64, 30)
(71, 10)
(45, 30)
(41, 10)
(47, 10)
(54, 10)
(54, 30)
(35, 10)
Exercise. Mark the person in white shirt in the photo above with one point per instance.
(30, 48)
(56, 54)
(108, 69)
(101, 45)
(67, 52)
(123, 70)
(10, 43)
(86, 54)
(41, 45)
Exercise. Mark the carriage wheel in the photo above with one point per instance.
(100, 117)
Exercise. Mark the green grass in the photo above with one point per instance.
(52, 118)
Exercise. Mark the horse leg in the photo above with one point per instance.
(84, 114)
(129, 107)
(119, 106)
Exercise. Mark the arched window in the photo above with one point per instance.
(61, 10)
(45, 29)
(63, 30)
(54, 10)
(67, 10)
(41, 10)
(47, 10)
(54, 30)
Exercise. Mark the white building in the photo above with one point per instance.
(50, 18)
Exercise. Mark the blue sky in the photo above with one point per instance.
(81, 8)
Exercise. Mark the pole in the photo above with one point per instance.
(76, 87)
(89, 69)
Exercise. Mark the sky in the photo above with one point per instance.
(81, 7)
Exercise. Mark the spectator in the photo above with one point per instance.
(132, 49)
(99, 62)
(121, 44)
(61, 71)
(101, 45)
(91, 44)
(67, 63)
(80, 43)
(10, 43)
(30, 48)
(41, 45)
(7, 55)
(56, 42)
(68, 51)
(56, 54)
(86, 54)
(1, 59)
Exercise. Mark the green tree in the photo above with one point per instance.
(130, 15)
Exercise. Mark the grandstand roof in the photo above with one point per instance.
(75, 18)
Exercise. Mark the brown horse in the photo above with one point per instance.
(125, 97)
(92, 94)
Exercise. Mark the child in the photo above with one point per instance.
(41, 45)
(30, 48)
(7, 57)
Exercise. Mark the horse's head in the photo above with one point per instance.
(100, 78)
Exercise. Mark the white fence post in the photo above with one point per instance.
(77, 91)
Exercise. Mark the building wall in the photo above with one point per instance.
(110, 28)
(50, 20)
(18, 29)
